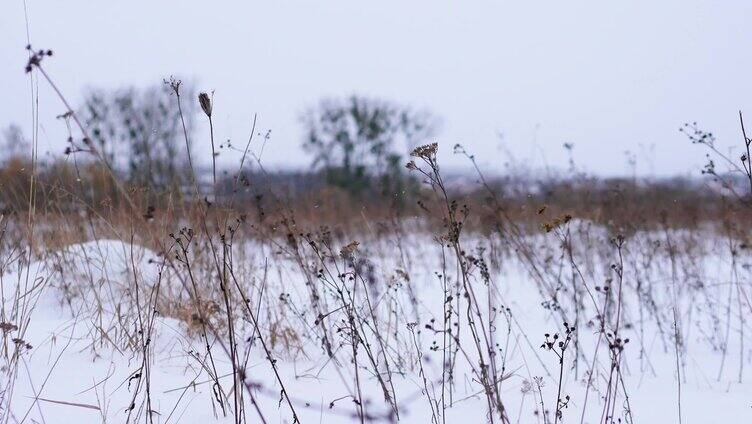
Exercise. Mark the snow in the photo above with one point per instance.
(79, 376)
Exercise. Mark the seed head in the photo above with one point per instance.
(347, 251)
(427, 151)
(205, 102)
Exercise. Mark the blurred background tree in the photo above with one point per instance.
(359, 142)
(140, 133)
(14, 144)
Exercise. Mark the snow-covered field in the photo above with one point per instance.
(111, 336)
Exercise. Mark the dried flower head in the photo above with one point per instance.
(556, 223)
(427, 151)
(174, 84)
(205, 102)
(7, 327)
(347, 251)
(35, 58)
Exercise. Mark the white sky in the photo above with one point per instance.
(608, 76)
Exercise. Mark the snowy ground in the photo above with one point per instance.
(80, 367)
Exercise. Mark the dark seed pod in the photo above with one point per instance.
(205, 102)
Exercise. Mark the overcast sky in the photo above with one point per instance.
(608, 76)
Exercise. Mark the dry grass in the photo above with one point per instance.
(594, 252)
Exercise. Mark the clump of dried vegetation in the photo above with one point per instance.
(594, 252)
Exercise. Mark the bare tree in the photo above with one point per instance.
(15, 143)
(140, 133)
(356, 141)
